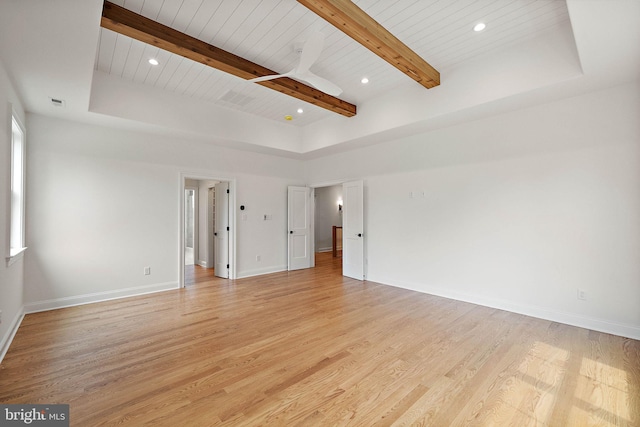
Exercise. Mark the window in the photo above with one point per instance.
(18, 146)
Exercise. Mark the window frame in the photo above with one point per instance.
(16, 243)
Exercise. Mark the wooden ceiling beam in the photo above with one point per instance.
(354, 22)
(125, 22)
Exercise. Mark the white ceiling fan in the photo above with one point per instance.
(310, 53)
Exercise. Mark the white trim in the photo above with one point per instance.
(16, 254)
(261, 271)
(13, 248)
(53, 304)
(196, 220)
(600, 325)
(330, 183)
(11, 333)
(202, 263)
(325, 249)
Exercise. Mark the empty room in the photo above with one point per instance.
(320, 212)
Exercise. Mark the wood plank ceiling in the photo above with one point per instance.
(265, 32)
(131, 24)
(354, 22)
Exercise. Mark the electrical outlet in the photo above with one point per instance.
(257, 257)
(0, 316)
(582, 294)
(147, 271)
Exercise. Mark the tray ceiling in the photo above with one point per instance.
(267, 31)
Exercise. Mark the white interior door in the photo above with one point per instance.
(299, 218)
(221, 233)
(211, 211)
(352, 230)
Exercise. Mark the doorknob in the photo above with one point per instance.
(291, 232)
(359, 234)
(215, 234)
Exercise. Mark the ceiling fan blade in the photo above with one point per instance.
(265, 78)
(310, 52)
(321, 84)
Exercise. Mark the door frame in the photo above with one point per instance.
(222, 231)
(210, 242)
(313, 218)
(196, 229)
(310, 207)
(232, 218)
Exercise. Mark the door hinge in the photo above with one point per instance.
(227, 265)
(227, 228)
(227, 191)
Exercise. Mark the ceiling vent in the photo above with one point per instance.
(236, 98)
(57, 102)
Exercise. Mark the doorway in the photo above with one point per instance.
(328, 220)
(207, 228)
(190, 232)
(348, 217)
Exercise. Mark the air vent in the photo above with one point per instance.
(236, 98)
(57, 102)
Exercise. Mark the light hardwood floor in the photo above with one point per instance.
(194, 274)
(313, 348)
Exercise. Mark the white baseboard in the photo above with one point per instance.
(261, 271)
(321, 250)
(8, 336)
(600, 325)
(34, 307)
(202, 263)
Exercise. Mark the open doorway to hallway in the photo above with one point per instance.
(341, 212)
(207, 234)
(328, 224)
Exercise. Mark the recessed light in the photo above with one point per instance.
(300, 111)
(153, 61)
(364, 81)
(479, 27)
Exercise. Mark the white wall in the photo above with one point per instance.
(268, 237)
(12, 277)
(326, 216)
(517, 211)
(104, 204)
(152, 105)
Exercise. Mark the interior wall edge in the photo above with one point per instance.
(6, 341)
